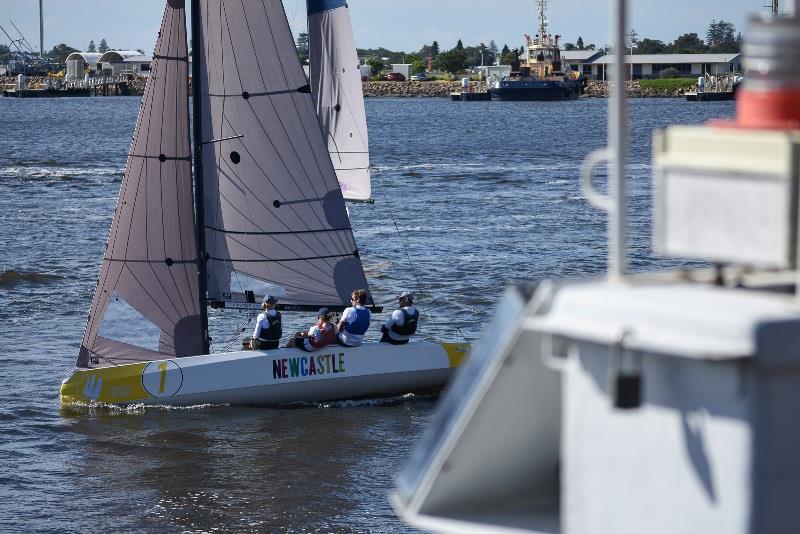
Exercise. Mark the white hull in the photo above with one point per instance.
(270, 377)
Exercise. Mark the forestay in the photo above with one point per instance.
(274, 214)
(338, 96)
(146, 303)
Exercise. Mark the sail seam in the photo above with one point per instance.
(173, 58)
(265, 260)
(173, 262)
(161, 157)
(263, 93)
(291, 232)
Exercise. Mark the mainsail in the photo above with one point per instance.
(274, 213)
(146, 303)
(336, 86)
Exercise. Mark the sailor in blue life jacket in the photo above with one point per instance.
(402, 324)
(355, 321)
(268, 331)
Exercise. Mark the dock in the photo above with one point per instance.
(468, 96)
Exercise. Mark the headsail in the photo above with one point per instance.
(146, 303)
(336, 86)
(274, 214)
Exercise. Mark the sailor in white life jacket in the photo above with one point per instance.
(268, 331)
(403, 322)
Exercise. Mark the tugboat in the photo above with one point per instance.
(540, 77)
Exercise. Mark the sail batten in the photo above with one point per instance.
(146, 303)
(275, 215)
(338, 95)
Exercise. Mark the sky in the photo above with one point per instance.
(394, 24)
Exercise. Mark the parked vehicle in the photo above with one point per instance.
(396, 77)
(419, 78)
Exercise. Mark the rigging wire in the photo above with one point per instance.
(420, 288)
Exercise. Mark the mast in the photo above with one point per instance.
(197, 131)
(542, 20)
(41, 30)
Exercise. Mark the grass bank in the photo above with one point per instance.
(668, 84)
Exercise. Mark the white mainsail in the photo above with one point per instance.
(338, 96)
(146, 303)
(274, 213)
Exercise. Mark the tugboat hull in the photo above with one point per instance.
(535, 90)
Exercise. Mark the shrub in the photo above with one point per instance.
(669, 72)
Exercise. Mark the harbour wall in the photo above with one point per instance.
(414, 89)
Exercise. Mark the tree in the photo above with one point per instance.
(688, 43)
(507, 55)
(650, 46)
(459, 45)
(418, 66)
(579, 43)
(103, 46)
(376, 64)
(453, 61)
(721, 37)
(60, 52)
(434, 49)
(570, 46)
(302, 46)
(3, 52)
(493, 49)
(91, 47)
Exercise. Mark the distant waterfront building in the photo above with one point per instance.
(116, 62)
(580, 60)
(650, 65)
(78, 63)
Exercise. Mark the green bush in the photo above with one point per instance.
(669, 84)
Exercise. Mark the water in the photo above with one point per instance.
(483, 194)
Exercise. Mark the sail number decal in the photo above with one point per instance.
(162, 379)
(311, 365)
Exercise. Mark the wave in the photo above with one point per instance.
(12, 278)
(46, 173)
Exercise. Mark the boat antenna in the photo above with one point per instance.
(542, 20)
(200, 225)
(41, 30)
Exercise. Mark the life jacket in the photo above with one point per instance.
(275, 329)
(409, 325)
(327, 336)
(360, 324)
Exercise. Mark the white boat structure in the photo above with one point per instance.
(656, 402)
(257, 210)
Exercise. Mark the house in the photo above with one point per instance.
(650, 65)
(580, 60)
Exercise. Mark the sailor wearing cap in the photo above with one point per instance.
(403, 322)
(268, 331)
(322, 334)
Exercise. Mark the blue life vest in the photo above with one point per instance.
(360, 324)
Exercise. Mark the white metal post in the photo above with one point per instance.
(617, 137)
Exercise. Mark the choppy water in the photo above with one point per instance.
(483, 194)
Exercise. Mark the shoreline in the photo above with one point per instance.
(414, 89)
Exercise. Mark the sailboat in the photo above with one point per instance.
(246, 205)
(338, 96)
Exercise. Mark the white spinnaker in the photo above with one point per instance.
(338, 96)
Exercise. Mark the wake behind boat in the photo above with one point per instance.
(267, 217)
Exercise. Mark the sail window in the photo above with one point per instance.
(121, 322)
(235, 157)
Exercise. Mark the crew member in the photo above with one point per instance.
(355, 320)
(268, 331)
(322, 334)
(402, 324)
